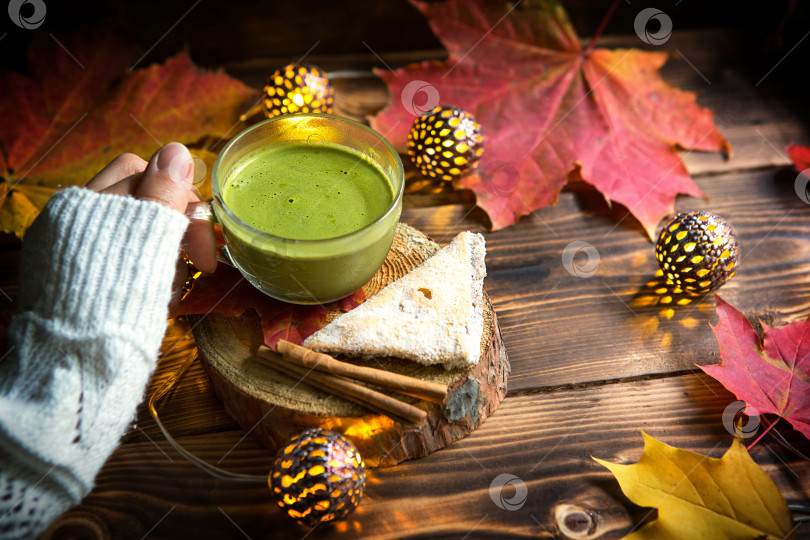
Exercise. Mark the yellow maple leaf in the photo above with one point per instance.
(702, 497)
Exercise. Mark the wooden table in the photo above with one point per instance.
(594, 361)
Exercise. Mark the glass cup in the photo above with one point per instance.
(306, 271)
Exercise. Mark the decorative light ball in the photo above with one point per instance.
(445, 143)
(698, 251)
(318, 476)
(298, 88)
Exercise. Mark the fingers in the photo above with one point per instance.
(199, 242)
(167, 178)
(200, 245)
(125, 165)
(125, 186)
(180, 276)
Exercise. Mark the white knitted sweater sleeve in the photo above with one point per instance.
(95, 282)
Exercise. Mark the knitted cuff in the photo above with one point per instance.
(100, 259)
(95, 284)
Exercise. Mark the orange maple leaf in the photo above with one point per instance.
(80, 106)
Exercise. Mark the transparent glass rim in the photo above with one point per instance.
(268, 236)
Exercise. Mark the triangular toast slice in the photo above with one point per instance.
(432, 315)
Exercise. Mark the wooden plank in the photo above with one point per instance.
(147, 489)
(288, 29)
(562, 329)
(759, 116)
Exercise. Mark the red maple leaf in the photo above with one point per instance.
(550, 111)
(82, 104)
(800, 156)
(773, 377)
(228, 293)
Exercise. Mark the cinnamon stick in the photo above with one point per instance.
(346, 389)
(403, 384)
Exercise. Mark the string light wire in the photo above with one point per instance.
(213, 470)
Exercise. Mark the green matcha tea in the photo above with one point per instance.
(307, 223)
(307, 192)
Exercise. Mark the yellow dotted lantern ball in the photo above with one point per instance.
(298, 88)
(445, 143)
(318, 476)
(698, 252)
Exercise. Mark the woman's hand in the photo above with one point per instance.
(166, 179)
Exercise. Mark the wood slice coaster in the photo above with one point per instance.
(272, 406)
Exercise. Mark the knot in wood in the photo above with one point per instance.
(82, 525)
(575, 522)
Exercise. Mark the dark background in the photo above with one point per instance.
(229, 33)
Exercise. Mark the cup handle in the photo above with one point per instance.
(205, 211)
